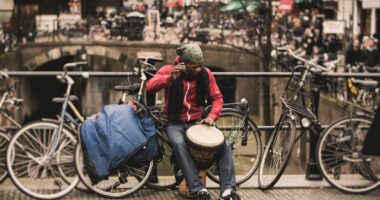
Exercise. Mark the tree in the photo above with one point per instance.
(258, 26)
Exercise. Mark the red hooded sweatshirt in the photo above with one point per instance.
(190, 111)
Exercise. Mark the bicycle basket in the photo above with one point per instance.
(297, 94)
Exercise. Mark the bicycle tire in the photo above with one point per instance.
(114, 186)
(340, 160)
(32, 142)
(246, 149)
(275, 144)
(4, 141)
(163, 176)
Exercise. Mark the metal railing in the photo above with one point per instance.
(87, 74)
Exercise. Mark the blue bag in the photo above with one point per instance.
(113, 136)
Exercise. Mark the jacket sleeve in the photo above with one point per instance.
(216, 98)
(160, 80)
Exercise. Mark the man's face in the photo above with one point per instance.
(193, 69)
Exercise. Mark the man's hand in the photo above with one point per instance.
(207, 121)
(178, 69)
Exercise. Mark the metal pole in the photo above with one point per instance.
(87, 74)
(312, 170)
(19, 27)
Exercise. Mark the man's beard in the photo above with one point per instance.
(189, 77)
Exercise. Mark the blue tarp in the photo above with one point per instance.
(113, 136)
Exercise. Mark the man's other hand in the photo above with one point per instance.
(207, 121)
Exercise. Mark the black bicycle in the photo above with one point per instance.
(296, 96)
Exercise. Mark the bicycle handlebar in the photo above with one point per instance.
(307, 62)
(14, 101)
(74, 64)
(3, 75)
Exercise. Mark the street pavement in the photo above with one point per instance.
(290, 187)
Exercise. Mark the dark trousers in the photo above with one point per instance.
(176, 133)
(371, 143)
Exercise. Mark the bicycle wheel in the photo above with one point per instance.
(277, 153)
(32, 170)
(245, 143)
(163, 174)
(121, 183)
(4, 141)
(340, 160)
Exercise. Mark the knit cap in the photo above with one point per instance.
(190, 54)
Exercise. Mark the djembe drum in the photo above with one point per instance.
(204, 143)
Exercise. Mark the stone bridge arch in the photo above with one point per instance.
(119, 56)
(56, 53)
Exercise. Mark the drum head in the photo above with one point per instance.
(204, 135)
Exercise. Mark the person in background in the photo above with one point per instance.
(354, 54)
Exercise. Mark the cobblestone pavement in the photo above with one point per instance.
(246, 194)
(289, 187)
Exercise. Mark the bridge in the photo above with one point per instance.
(113, 56)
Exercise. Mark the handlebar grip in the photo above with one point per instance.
(61, 79)
(75, 64)
(3, 75)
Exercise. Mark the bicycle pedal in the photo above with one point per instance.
(123, 178)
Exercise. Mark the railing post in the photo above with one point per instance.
(312, 171)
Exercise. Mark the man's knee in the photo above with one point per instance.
(176, 137)
(178, 142)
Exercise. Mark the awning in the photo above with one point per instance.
(232, 5)
(286, 5)
(174, 3)
(236, 5)
(302, 1)
(252, 6)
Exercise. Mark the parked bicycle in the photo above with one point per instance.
(40, 156)
(363, 92)
(130, 177)
(339, 147)
(280, 144)
(8, 103)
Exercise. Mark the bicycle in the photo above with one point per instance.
(130, 177)
(235, 124)
(339, 147)
(362, 92)
(280, 144)
(5, 135)
(40, 155)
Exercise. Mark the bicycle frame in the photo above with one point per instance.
(5, 114)
(244, 108)
(65, 78)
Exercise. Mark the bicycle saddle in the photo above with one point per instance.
(365, 84)
(61, 99)
(129, 89)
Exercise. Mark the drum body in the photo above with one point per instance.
(204, 143)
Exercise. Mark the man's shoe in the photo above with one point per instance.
(202, 195)
(231, 196)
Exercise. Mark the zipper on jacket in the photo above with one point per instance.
(188, 105)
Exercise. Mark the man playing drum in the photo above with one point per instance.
(188, 87)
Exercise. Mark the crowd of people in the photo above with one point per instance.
(304, 31)
(364, 51)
